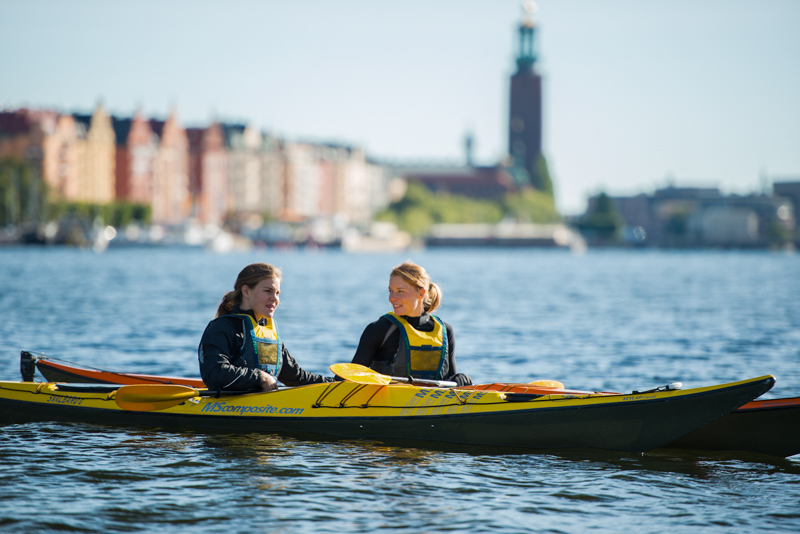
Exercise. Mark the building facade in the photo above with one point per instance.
(97, 153)
(208, 174)
(702, 217)
(136, 151)
(171, 199)
(476, 182)
(303, 175)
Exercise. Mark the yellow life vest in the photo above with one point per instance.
(262, 347)
(420, 354)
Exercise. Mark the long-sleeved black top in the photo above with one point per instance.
(372, 347)
(219, 348)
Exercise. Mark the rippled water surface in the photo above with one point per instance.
(616, 320)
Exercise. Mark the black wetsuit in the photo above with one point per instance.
(220, 347)
(375, 346)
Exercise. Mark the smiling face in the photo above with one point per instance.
(405, 298)
(263, 298)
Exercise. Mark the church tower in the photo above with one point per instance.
(525, 117)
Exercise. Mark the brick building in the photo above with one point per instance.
(171, 200)
(34, 136)
(476, 182)
(208, 174)
(136, 151)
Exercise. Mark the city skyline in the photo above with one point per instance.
(633, 92)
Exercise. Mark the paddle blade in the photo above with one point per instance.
(547, 384)
(359, 374)
(148, 398)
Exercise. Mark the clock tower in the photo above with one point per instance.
(525, 117)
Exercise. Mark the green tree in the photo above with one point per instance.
(118, 214)
(531, 206)
(603, 221)
(540, 176)
(23, 194)
(123, 213)
(420, 208)
(678, 223)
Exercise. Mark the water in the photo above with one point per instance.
(612, 320)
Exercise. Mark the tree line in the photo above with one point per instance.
(25, 200)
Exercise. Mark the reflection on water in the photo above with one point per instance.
(611, 320)
(94, 478)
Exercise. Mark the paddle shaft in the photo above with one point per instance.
(147, 397)
(223, 393)
(424, 382)
(360, 374)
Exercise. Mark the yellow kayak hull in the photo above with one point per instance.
(627, 422)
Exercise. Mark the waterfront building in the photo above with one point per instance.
(303, 181)
(18, 134)
(28, 136)
(347, 184)
(45, 140)
(383, 187)
(244, 143)
(476, 182)
(702, 217)
(97, 152)
(62, 175)
(272, 176)
(789, 189)
(208, 174)
(525, 102)
(171, 200)
(330, 176)
(136, 151)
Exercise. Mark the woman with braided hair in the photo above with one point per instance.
(241, 348)
(409, 341)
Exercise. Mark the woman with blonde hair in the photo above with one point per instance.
(241, 348)
(409, 340)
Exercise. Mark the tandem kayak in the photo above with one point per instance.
(763, 426)
(399, 412)
(769, 427)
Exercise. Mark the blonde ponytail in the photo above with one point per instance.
(418, 277)
(433, 298)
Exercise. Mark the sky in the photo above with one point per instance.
(638, 94)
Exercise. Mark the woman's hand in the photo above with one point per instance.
(268, 382)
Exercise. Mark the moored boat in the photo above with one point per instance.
(344, 409)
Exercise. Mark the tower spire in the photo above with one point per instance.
(526, 55)
(525, 113)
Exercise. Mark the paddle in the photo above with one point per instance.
(150, 397)
(359, 374)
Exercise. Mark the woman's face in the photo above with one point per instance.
(263, 298)
(405, 298)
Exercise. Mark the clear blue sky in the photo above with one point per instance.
(637, 93)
